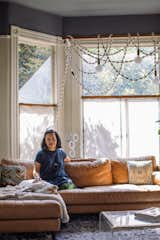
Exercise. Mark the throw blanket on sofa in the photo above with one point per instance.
(31, 190)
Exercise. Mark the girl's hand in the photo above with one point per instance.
(36, 171)
(37, 178)
(67, 159)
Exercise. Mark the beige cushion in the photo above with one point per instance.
(96, 173)
(140, 172)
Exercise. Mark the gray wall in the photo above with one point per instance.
(4, 25)
(14, 14)
(91, 26)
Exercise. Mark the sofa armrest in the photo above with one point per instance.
(156, 177)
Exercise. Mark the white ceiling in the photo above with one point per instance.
(93, 7)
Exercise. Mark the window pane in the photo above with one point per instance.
(121, 128)
(102, 128)
(33, 123)
(119, 79)
(35, 74)
(143, 129)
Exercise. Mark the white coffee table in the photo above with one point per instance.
(118, 222)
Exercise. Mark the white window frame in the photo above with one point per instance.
(118, 41)
(20, 34)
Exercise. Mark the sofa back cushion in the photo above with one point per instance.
(29, 165)
(90, 173)
(140, 172)
(119, 172)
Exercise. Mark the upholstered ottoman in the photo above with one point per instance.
(29, 216)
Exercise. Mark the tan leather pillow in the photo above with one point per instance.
(119, 172)
(156, 177)
(85, 174)
(29, 165)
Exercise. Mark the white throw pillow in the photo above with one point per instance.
(140, 172)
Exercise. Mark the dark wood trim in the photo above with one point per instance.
(37, 105)
(126, 96)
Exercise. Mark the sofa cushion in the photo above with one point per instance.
(140, 172)
(156, 177)
(116, 193)
(141, 158)
(12, 175)
(88, 173)
(27, 209)
(29, 165)
(119, 171)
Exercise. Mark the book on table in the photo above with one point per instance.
(149, 214)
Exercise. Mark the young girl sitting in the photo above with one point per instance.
(49, 162)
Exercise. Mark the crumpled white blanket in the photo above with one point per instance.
(31, 190)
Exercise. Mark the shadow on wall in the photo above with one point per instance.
(31, 144)
(98, 142)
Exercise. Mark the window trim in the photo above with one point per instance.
(123, 96)
(118, 41)
(20, 34)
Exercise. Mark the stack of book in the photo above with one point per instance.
(149, 214)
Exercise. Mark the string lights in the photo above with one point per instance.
(105, 53)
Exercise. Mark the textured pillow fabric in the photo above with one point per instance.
(85, 174)
(119, 172)
(29, 165)
(12, 175)
(140, 172)
(141, 158)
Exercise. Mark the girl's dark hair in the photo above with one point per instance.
(43, 144)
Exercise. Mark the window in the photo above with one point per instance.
(120, 127)
(36, 102)
(121, 104)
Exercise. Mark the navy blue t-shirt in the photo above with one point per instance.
(52, 166)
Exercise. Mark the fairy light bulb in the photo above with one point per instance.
(138, 59)
(156, 78)
(99, 67)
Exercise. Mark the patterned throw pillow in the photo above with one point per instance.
(140, 172)
(29, 165)
(12, 175)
